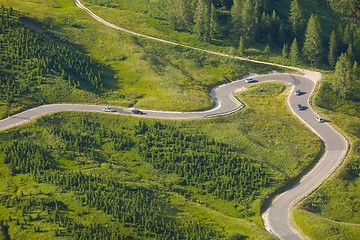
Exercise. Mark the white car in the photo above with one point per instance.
(319, 119)
(109, 109)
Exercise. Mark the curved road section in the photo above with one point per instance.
(276, 218)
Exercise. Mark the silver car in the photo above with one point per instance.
(109, 109)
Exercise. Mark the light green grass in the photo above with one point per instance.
(315, 227)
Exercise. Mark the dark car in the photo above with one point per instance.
(137, 111)
(301, 107)
(297, 92)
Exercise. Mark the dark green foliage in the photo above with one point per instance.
(28, 57)
(4, 231)
(315, 202)
(25, 157)
(352, 170)
(312, 49)
(135, 206)
(202, 19)
(214, 167)
(296, 17)
(333, 49)
(349, 8)
(294, 52)
(343, 81)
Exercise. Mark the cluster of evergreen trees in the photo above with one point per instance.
(212, 167)
(137, 206)
(23, 156)
(299, 33)
(28, 57)
(201, 162)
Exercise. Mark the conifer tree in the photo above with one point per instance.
(213, 22)
(312, 49)
(202, 21)
(285, 50)
(333, 49)
(241, 46)
(350, 53)
(294, 51)
(180, 14)
(249, 18)
(236, 17)
(342, 83)
(296, 17)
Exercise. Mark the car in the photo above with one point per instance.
(137, 111)
(250, 80)
(301, 107)
(319, 119)
(109, 109)
(298, 92)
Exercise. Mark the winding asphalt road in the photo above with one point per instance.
(276, 218)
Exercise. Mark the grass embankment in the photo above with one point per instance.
(141, 72)
(79, 148)
(334, 208)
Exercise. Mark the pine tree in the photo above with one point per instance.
(213, 22)
(201, 28)
(312, 49)
(180, 14)
(356, 80)
(296, 17)
(236, 17)
(342, 83)
(356, 72)
(333, 49)
(249, 19)
(241, 46)
(285, 50)
(202, 19)
(350, 53)
(294, 52)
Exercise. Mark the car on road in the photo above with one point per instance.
(297, 92)
(301, 107)
(109, 109)
(319, 119)
(250, 80)
(137, 111)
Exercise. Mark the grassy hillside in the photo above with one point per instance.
(151, 75)
(49, 166)
(139, 72)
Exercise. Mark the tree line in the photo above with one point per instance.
(299, 34)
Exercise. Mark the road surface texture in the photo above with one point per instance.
(276, 217)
